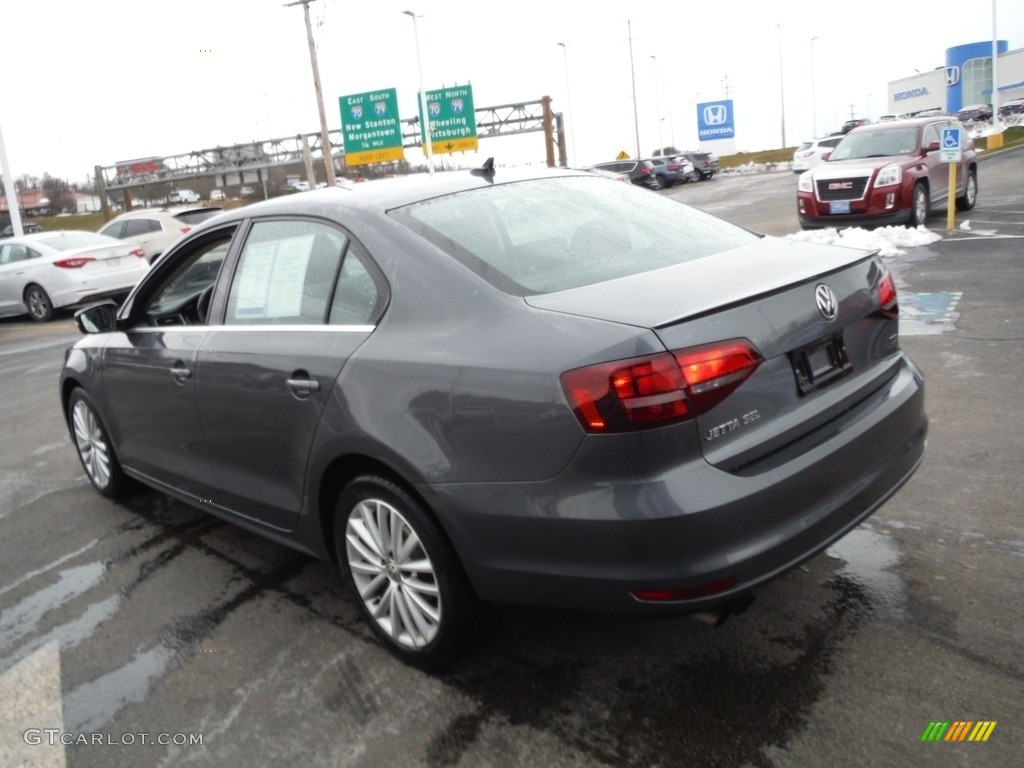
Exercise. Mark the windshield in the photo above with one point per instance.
(882, 143)
(554, 234)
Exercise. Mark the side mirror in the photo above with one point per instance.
(825, 156)
(933, 147)
(99, 318)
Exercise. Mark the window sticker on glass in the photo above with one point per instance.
(271, 279)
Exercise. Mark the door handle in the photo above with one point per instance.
(180, 373)
(301, 385)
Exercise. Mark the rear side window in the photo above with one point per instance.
(553, 234)
(286, 274)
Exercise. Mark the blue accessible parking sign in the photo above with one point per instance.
(950, 145)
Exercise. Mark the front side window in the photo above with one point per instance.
(115, 229)
(183, 297)
(136, 227)
(286, 274)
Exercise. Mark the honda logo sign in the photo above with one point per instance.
(715, 120)
(715, 114)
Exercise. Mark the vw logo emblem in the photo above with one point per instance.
(826, 301)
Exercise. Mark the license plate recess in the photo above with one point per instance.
(820, 364)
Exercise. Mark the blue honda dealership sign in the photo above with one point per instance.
(715, 120)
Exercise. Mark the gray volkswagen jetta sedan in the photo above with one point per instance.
(540, 387)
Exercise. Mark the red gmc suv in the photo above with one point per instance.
(888, 173)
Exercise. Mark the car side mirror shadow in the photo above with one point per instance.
(99, 318)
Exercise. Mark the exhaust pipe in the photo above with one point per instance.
(717, 615)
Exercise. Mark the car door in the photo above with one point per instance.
(302, 299)
(142, 232)
(14, 270)
(938, 171)
(149, 370)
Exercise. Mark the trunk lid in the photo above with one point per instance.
(816, 370)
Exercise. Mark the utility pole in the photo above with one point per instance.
(325, 137)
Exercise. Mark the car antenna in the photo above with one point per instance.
(487, 169)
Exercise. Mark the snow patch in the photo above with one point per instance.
(889, 241)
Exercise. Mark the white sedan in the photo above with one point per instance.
(48, 270)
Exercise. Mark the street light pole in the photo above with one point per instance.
(814, 95)
(325, 137)
(425, 117)
(782, 92)
(568, 103)
(632, 74)
(657, 103)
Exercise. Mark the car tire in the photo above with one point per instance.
(970, 196)
(693, 176)
(40, 308)
(95, 451)
(403, 574)
(919, 207)
(655, 182)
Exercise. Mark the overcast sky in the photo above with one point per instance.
(92, 83)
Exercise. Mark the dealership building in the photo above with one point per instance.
(965, 79)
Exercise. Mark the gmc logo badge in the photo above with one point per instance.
(714, 114)
(837, 185)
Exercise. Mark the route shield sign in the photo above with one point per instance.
(950, 145)
(371, 128)
(452, 120)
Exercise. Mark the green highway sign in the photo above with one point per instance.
(371, 128)
(452, 120)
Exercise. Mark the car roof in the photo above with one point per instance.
(141, 212)
(904, 122)
(385, 194)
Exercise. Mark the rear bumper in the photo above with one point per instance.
(582, 542)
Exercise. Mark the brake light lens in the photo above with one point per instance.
(657, 390)
(186, 230)
(888, 301)
(138, 252)
(73, 262)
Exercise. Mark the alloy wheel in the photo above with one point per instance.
(92, 445)
(393, 573)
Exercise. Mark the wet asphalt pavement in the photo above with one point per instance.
(126, 625)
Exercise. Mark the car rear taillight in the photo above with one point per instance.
(74, 262)
(138, 252)
(644, 171)
(888, 302)
(186, 230)
(657, 390)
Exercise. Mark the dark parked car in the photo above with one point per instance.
(541, 387)
(639, 171)
(889, 173)
(705, 163)
(194, 216)
(26, 228)
(1012, 107)
(975, 113)
(856, 122)
(674, 170)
